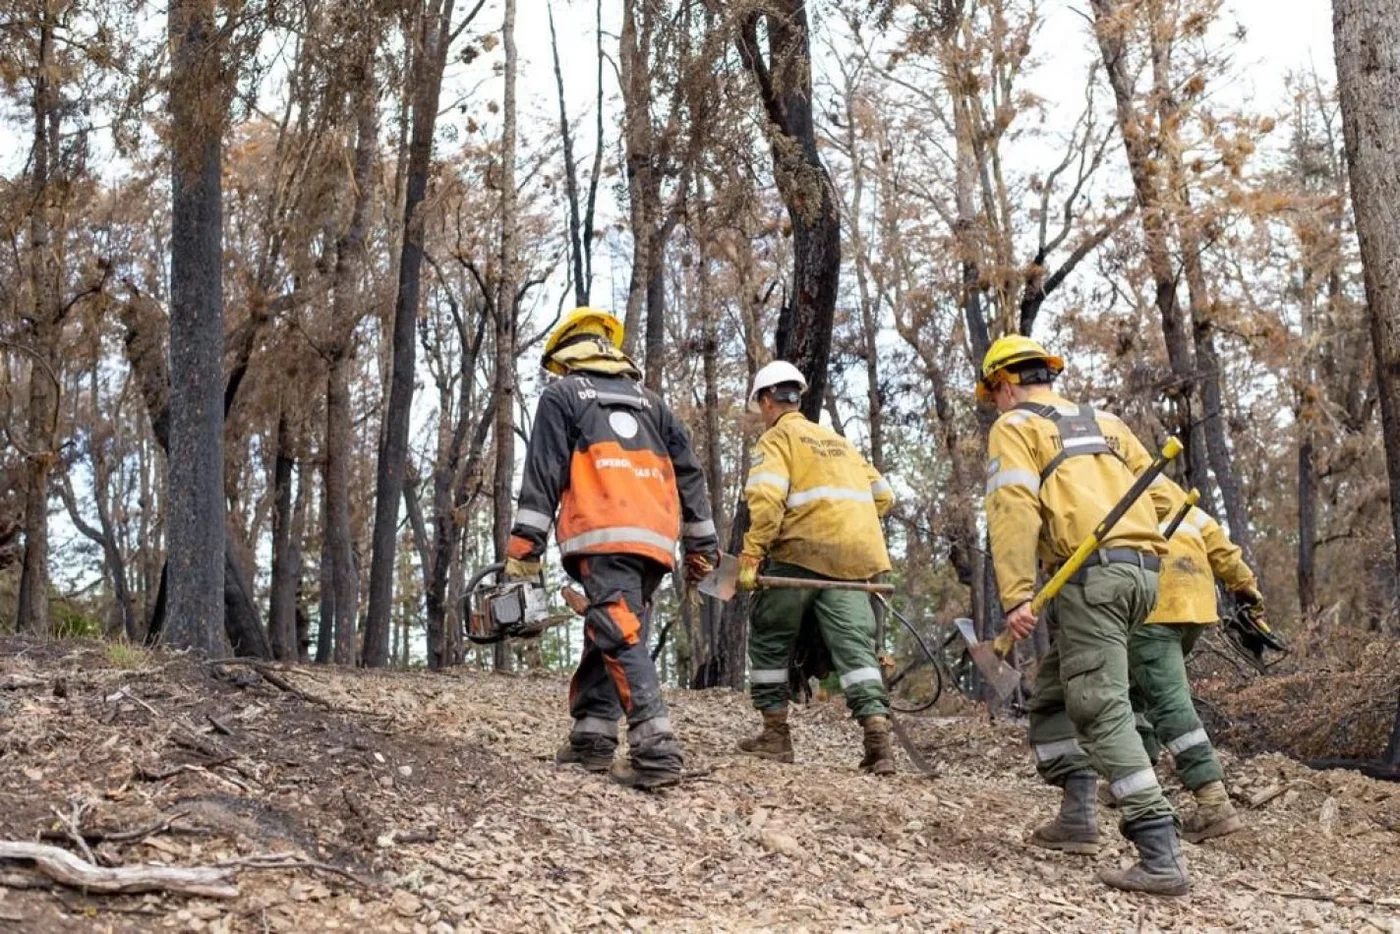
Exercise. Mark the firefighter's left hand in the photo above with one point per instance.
(1252, 601)
(522, 569)
(697, 565)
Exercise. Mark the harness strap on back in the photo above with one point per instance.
(636, 399)
(1079, 434)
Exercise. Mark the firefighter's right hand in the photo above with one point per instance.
(522, 569)
(748, 572)
(697, 565)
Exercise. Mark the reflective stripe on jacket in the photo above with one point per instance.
(618, 467)
(1029, 515)
(1197, 554)
(815, 502)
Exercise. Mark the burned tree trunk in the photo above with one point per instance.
(783, 75)
(1367, 36)
(784, 79)
(281, 623)
(195, 508)
(431, 47)
(1110, 27)
(504, 479)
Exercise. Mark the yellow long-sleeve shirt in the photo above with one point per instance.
(1197, 554)
(815, 502)
(1030, 516)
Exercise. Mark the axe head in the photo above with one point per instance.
(1003, 678)
(723, 581)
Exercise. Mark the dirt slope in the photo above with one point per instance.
(438, 794)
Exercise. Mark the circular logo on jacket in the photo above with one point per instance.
(623, 424)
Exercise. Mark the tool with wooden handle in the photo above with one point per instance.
(723, 582)
(1002, 644)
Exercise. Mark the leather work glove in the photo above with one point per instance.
(697, 565)
(1252, 602)
(748, 572)
(522, 569)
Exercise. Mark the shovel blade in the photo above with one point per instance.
(723, 581)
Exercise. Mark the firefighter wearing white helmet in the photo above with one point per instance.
(815, 506)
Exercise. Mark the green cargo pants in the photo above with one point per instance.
(847, 625)
(1161, 697)
(1080, 715)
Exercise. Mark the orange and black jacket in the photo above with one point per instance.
(617, 465)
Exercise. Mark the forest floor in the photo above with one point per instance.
(430, 802)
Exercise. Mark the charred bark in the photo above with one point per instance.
(195, 508)
(431, 47)
(1367, 37)
(281, 623)
(503, 479)
(784, 79)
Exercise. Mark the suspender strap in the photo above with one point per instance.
(1079, 434)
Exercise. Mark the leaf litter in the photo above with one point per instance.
(417, 802)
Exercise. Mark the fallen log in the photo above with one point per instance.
(66, 869)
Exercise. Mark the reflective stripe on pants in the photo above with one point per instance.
(1157, 656)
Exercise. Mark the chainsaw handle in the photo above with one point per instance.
(806, 583)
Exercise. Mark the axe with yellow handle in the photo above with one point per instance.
(1002, 644)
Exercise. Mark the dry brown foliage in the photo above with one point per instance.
(413, 802)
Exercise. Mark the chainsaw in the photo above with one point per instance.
(1248, 634)
(510, 609)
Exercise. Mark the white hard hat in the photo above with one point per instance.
(775, 374)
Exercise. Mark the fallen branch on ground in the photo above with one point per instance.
(271, 675)
(66, 869)
(163, 825)
(19, 682)
(291, 861)
(72, 825)
(1339, 898)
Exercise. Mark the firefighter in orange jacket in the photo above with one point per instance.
(617, 466)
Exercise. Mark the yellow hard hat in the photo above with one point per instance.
(583, 320)
(1006, 352)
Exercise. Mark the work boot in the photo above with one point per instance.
(593, 751)
(879, 755)
(774, 742)
(1160, 869)
(655, 756)
(1076, 828)
(1214, 816)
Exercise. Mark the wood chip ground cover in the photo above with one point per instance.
(417, 802)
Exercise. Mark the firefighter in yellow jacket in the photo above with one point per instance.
(1054, 470)
(1198, 552)
(814, 507)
